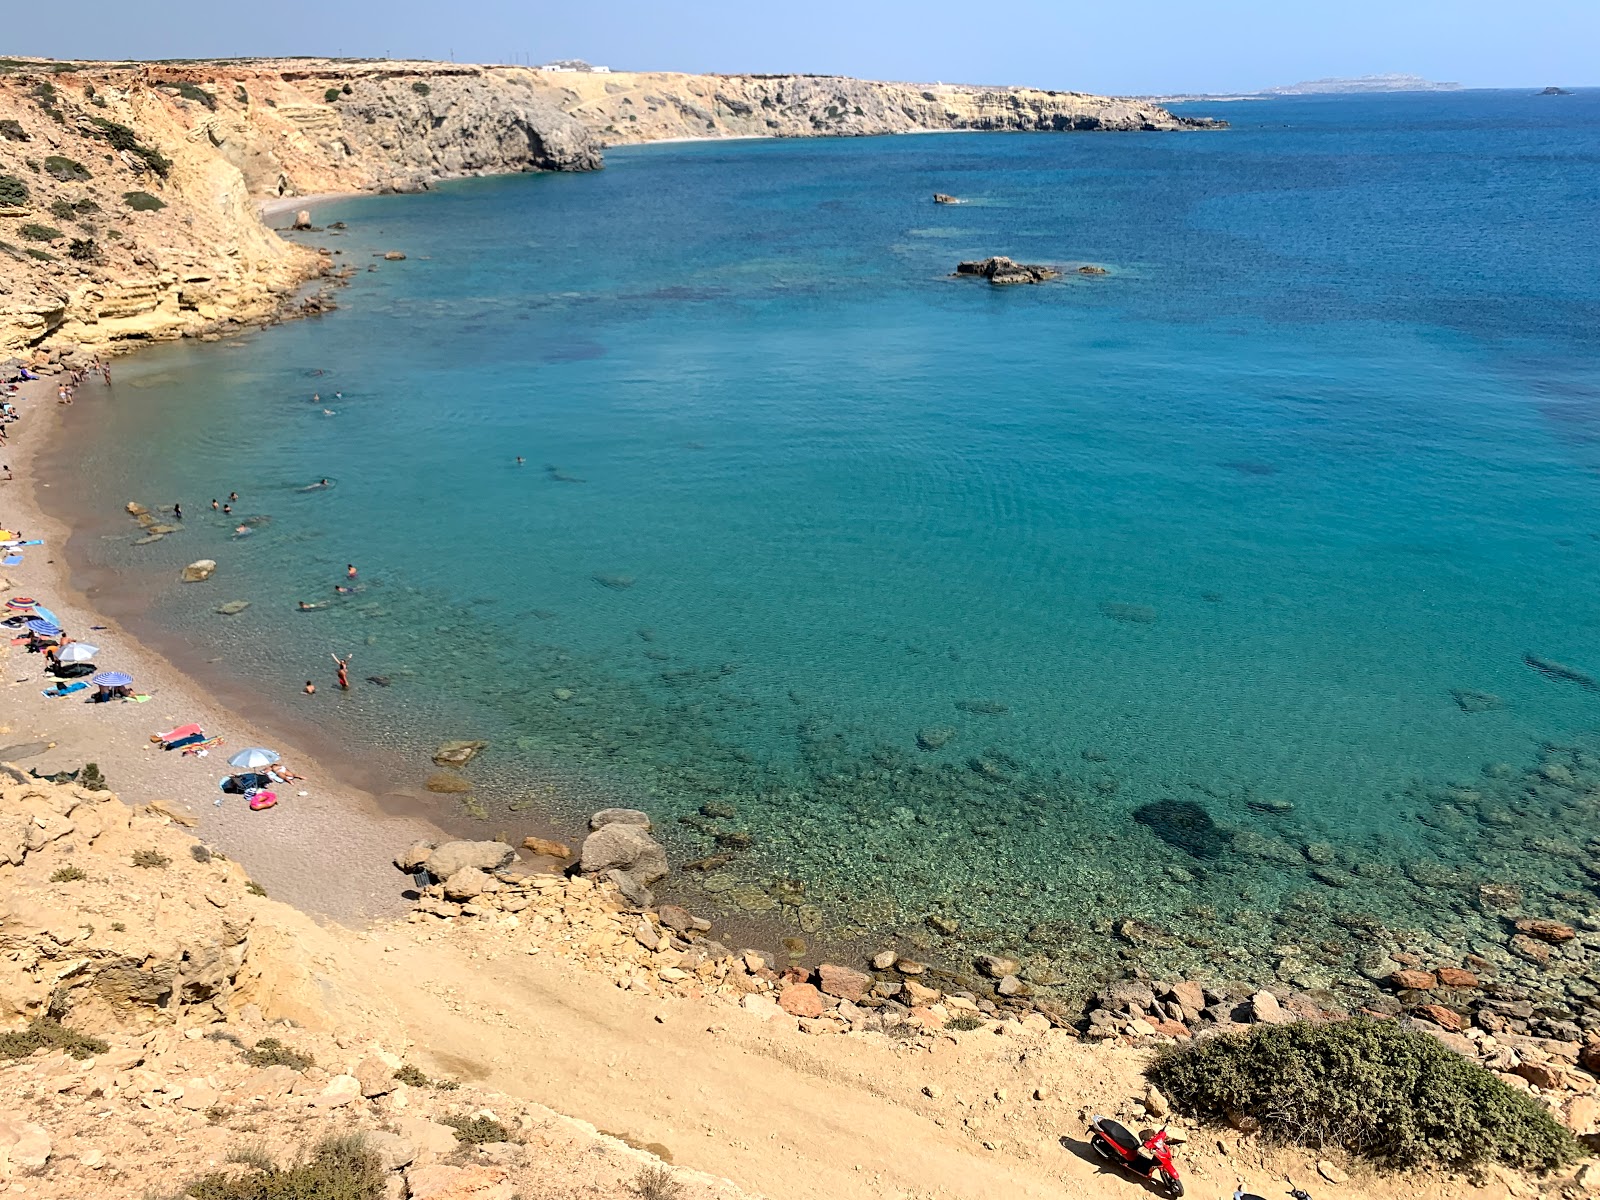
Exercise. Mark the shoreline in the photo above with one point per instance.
(278, 205)
(327, 853)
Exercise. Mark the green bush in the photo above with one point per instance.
(47, 1033)
(11, 129)
(123, 138)
(67, 170)
(12, 191)
(36, 232)
(84, 250)
(331, 95)
(965, 1022)
(190, 91)
(62, 210)
(477, 1131)
(657, 1183)
(340, 1168)
(41, 255)
(421, 88)
(152, 859)
(240, 95)
(270, 1052)
(90, 776)
(1378, 1090)
(412, 1076)
(142, 201)
(68, 874)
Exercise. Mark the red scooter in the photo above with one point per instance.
(1150, 1159)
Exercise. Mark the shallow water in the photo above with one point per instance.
(1145, 559)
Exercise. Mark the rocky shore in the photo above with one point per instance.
(129, 192)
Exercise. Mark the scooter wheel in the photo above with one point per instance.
(1171, 1184)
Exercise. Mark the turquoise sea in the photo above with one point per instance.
(1206, 585)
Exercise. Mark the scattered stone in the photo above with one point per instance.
(1010, 985)
(199, 571)
(1541, 1075)
(843, 982)
(1455, 977)
(943, 925)
(908, 966)
(393, 256)
(996, 966)
(1445, 1018)
(620, 816)
(1332, 1173)
(1266, 1009)
(451, 857)
(233, 607)
(466, 884)
(1499, 896)
(1154, 1102)
(447, 783)
(458, 753)
(802, 1000)
(883, 960)
(1416, 981)
(934, 737)
(546, 848)
(1530, 950)
(24, 1146)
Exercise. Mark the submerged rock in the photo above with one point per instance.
(458, 753)
(617, 583)
(986, 708)
(1469, 701)
(1185, 825)
(199, 571)
(934, 738)
(447, 783)
(1560, 672)
(1133, 614)
(233, 607)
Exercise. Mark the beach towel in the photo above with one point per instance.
(11, 560)
(64, 689)
(200, 747)
(182, 731)
(180, 743)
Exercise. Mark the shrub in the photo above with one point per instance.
(35, 232)
(1378, 1090)
(12, 190)
(270, 1052)
(421, 88)
(152, 859)
(41, 255)
(965, 1022)
(143, 201)
(84, 250)
(123, 138)
(118, 927)
(347, 89)
(340, 1168)
(239, 94)
(331, 95)
(657, 1183)
(412, 1076)
(48, 1033)
(67, 170)
(62, 210)
(477, 1131)
(11, 129)
(90, 777)
(190, 91)
(68, 874)
(254, 888)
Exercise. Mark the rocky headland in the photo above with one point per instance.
(129, 193)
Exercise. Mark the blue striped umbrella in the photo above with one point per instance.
(111, 679)
(44, 614)
(44, 628)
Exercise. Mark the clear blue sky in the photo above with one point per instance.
(1151, 46)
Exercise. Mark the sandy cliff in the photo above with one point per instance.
(127, 192)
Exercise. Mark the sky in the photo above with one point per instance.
(1154, 46)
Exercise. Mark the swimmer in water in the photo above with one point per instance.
(350, 571)
(241, 530)
(310, 689)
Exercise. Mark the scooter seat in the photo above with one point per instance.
(1121, 1135)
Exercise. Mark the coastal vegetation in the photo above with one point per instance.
(338, 1168)
(270, 1052)
(123, 138)
(47, 1033)
(13, 191)
(35, 232)
(66, 170)
(1370, 1087)
(143, 201)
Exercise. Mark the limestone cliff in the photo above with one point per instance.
(128, 192)
(635, 107)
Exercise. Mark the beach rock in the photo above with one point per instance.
(1560, 672)
(465, 884)
(233, 607)
(1000, 270)
(1264, 1007)
(302, 219)
(413, 856)
(620, 816)
(1444, 1017)
(135, 509)
(199, 571)
(631, 888)
(802, 1000)
(941, 198)
(984, 708)
(843, 982)
(617, 583)
(1530, 950)
(1416, 981)
(547, 848)
(1092, 269)
(625, 848)
(996, 966)
(393, 256)
(1332, 1173)
(1546, 930)
(1455, 977)
(447, 783)
(451, 857)
(884, 959)
(458, 753)
(934, 738)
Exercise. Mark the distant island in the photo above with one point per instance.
(1363, 83)
(1555, 91)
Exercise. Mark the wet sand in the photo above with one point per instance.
(327, 852)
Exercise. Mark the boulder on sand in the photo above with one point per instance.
(624, 848)
(199, 571)
(451, 857)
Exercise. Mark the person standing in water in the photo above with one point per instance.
(177, 509)
(349, 570)
(344, 670)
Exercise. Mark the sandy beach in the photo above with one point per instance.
(326, 851)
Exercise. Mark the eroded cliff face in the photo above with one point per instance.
(642, 107)
(128, 194)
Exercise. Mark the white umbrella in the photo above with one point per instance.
(78, 652)
(253, 759)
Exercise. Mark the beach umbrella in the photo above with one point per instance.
(78, 652)
(44, 628)
(111, 679)
(44, 614)
(20, 603)
(253, 759)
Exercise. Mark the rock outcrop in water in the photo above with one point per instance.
(128, 194)
(1001, 271)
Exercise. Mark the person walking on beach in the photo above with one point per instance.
(344, 670)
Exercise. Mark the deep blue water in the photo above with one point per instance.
(1148, 557)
